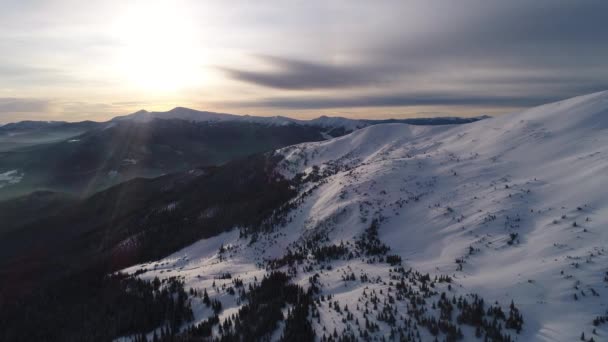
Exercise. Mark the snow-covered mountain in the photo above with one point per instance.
(196, 115)
(334, 125)
(512, 209)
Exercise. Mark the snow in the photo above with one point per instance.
(129, 161)
(336, 121)
(521, 199)
(10, 177)
(203, 116)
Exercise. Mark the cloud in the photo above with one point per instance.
(401, 100)
(550, 49)
(12, 75)
(131, 103)
(19, 109)
(292, 74)
(509, 33)
(7, 71)
(336, 54)
(15, 105)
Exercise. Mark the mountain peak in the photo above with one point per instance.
(181, 109)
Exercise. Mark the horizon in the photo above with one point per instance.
(74, 61)
(387, 117)
(382, 117)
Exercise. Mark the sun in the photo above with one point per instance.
(159, 48)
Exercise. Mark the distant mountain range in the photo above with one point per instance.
(114, 152)
(82, 158)
(334, 122)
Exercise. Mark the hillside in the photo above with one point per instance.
(58, 253)
(512, 209)
(22, 134)
(115, 152)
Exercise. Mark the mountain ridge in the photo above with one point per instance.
(322, 121)
(510, 208)
(492, 230)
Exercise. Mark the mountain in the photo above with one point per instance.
(114, 152)
(176, 113)
(446, 120)
(509, 209)
(18, 212)
(334, 123)
(488, 230)
(196, 115)
(58, 262)
(27, 133)
(82, 158)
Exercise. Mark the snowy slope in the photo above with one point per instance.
(513, 208)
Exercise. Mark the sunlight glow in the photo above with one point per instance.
(160, 48)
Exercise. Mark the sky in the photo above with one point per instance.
(92, 60)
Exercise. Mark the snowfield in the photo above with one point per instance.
(512, 208)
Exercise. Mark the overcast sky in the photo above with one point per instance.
(76, 60)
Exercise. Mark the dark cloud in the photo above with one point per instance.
(500, 34)
(14, 105)
(402, 100)
(520, 52)
(294, 74)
